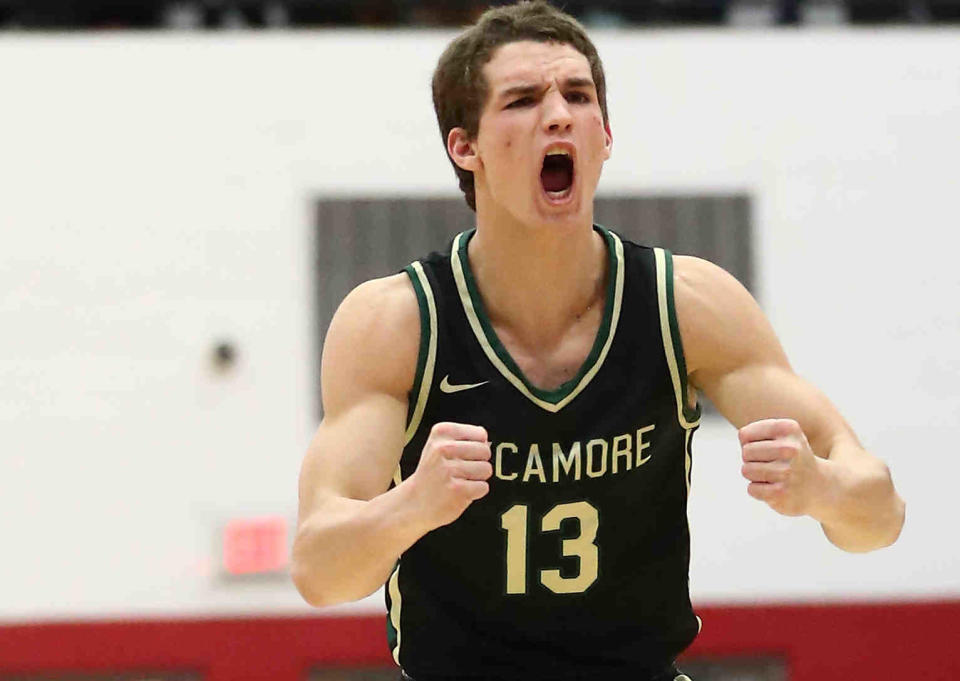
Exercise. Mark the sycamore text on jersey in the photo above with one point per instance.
(552, 463)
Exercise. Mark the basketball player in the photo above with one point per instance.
(507, 429)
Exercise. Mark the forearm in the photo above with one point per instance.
(346, 549)
(859, 510)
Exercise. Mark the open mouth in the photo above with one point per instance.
(556, 176)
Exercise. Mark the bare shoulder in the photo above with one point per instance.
(705, 295)
(720, 322)
(698, 276)
(372, 343)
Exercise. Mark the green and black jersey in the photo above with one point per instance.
(576, 562)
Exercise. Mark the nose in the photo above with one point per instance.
(556, 116)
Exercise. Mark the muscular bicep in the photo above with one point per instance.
(368, 365)
(354, 454)
(735, 359)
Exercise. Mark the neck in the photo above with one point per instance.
(539, 281)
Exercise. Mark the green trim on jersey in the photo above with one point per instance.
(691, 414)
(426, 362)
(427, 356)
(417, 402)
(393, 617)
(391, 635)
(550, 400)
(672, 343)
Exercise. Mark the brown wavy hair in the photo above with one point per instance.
(459, 87)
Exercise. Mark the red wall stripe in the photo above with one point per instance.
(836, 642)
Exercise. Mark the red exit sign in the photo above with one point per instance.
(255, 545)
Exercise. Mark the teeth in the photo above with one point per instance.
(557, 151)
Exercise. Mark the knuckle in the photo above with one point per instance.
(749, 432)
(790, 448)
(442, 429)
(447, 448)
(786, 427)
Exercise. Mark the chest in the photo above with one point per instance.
(548, 365)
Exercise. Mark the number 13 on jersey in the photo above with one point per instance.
(514, 521)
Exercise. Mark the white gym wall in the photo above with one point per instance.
(157, 194)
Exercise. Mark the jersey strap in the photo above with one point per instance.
(427, 357)
(688, 417)
(419, 393)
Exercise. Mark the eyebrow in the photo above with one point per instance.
(527, 90)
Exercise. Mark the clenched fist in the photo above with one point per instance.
(453, 472)
(782, 469)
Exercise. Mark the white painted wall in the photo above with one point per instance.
(155, 196)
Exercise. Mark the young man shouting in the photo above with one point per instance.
(508, 422)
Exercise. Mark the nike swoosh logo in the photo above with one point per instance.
(447, 387)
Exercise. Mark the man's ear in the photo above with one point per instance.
(608, 140)
(462, 149)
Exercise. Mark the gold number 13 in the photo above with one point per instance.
(514, 521)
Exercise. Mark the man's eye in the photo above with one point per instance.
(579, 97)
(523, 101)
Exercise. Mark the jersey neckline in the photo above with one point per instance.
(493, 348)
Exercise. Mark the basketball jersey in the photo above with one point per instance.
(576, 561)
